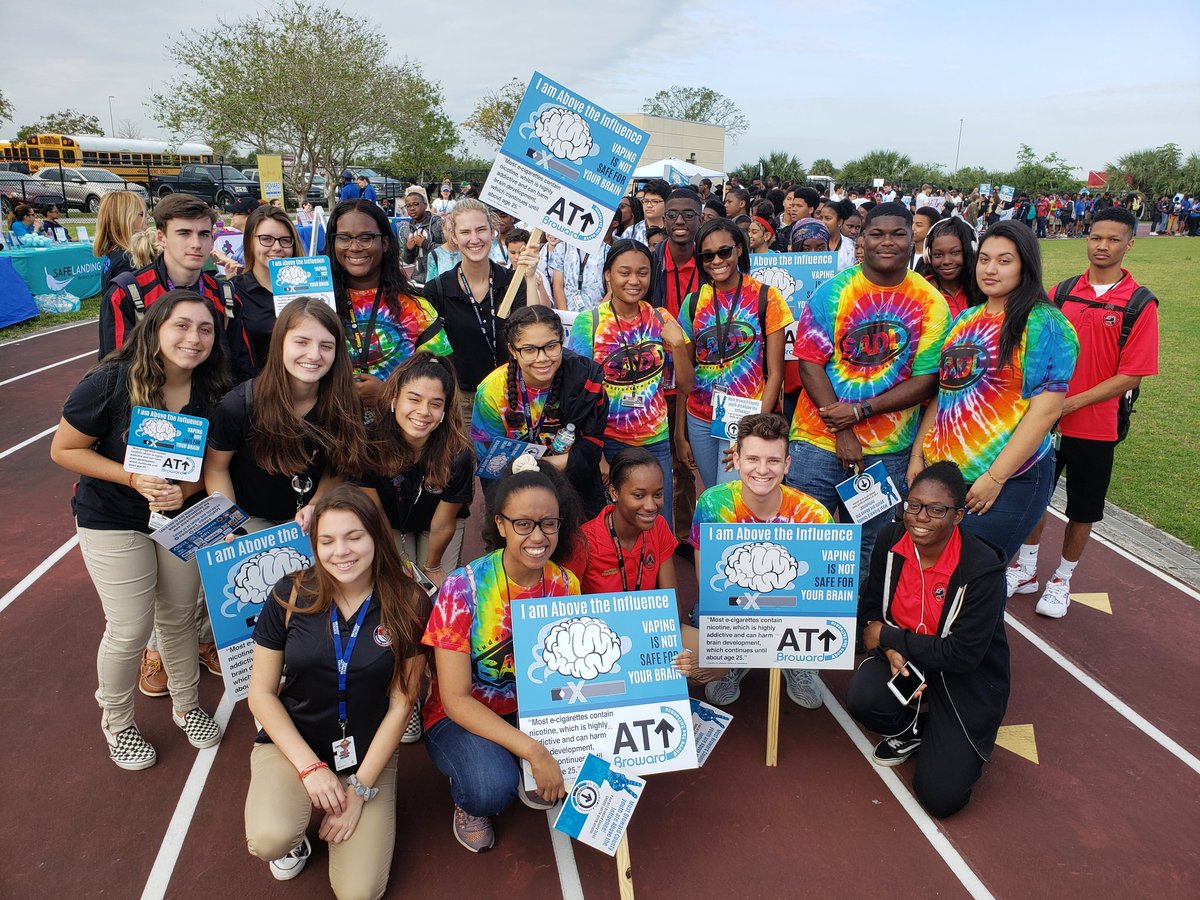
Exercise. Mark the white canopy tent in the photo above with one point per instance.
(691, 171)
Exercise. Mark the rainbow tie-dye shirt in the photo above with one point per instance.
(737, 368)
(488, 421)
(722, 504)
(870, 339)
(635, 362)
(394, 338)
(979, 406)
(472, 614)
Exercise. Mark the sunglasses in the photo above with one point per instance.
(707, 256)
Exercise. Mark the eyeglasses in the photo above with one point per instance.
(707, 256)
(933, 510)
(688, 216)
(357, 240)
(549, 525)
(267, 241)
(529, 354)
(652, 201)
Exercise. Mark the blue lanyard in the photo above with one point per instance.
(343, 660)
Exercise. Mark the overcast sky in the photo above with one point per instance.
(834, 79)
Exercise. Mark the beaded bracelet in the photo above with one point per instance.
(988, 473)
(304, 773)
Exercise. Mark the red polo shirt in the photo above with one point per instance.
(920, 595)
(681, 281)
(594, 560)
(1099, 356)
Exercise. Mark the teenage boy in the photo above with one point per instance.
(760, 455)
(420, 234)
(923, 220)
(737, 202)
(801, 203)
(868, 343)
(654, 202)
(1117, 323)
(185, 233)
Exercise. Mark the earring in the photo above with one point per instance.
(393, 408)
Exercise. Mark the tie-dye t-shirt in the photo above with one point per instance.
(722, 503)
(738, 370)
(394, 338)
(870, 339)
(488, 421)
(979, 406)
(472, 614)
(635, 362)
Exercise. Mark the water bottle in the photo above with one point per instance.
(563, 440)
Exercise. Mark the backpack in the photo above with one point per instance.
(134, 290)
(1129, 315)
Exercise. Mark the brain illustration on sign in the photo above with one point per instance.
(293, 276)
(761, 567)
(250, 582)
(563, 133)
(781, 279)
(583, 647)
(158, 430)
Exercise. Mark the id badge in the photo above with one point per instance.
(632, 401)
(158, 520)
(344, 754)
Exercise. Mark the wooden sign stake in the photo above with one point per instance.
(624, 869)
(535, 239)
(773, 680)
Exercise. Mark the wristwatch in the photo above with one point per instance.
(367, 793)
(865, 406)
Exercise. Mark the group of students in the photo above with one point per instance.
(365, 423)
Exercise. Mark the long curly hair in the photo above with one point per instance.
(547, 477)
(391, 277)
(521, 319)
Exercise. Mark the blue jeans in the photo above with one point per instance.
(708, 451)
(1018, 507)
(817, 472)
(483, 776)
(661, 451)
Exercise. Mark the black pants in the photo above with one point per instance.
(947, 764)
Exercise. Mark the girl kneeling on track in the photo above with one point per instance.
(935, 598)
(173, 360)
(330, 740)
(471, 714)
(283, 438)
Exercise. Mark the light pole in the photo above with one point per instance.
(959, 147)
(112, 131)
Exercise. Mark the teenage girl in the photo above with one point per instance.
(948, 263)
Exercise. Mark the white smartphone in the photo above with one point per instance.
(904, 686)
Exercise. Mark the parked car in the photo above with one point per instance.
(386, 187)
(16, 187)
(85, 186)
(220, 186)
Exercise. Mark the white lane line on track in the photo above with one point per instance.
(50, 331)
(564, 858)
(1116, 703)
(25, 443)
(45, 566)
(185, 809)
(61, 362)
(940, 843)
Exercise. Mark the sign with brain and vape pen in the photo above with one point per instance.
(595, 675)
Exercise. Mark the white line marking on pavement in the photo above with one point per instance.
(46, 565)
(50, 331)
(25, 443)
(564, 858)
(61, 362)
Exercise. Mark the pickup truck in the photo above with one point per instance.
(220, 186)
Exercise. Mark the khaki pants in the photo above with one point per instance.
(277, 815)
(143, 587)
(466, 406)
(415, 547)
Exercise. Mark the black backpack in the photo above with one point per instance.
(1129, 315)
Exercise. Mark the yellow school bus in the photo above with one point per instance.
(135, 160)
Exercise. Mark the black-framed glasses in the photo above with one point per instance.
(707, 256)
(688, 215)
(933, 510)
(267, 241)
(529, 354)
(548, 525)
(357, 240)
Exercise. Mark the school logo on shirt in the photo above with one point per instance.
(495, 667)
(1110, 320)
(633, 365)
(939, 593)
(381, 636)
(739, 339)
(874, 343)
(962, 366)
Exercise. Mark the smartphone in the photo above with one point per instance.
(904, 686)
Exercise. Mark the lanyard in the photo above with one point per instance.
(612, 532)
(363, 345)
(534, 428)
(491, 308)
(723, 326)
(343, 660)
(627, 347)
(582, 259)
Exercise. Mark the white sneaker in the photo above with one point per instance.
(725, 689)
(288, 867)
(1055, 599)
(1019, 581)
(803, 688)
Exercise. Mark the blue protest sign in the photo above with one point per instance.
(869, 493)
(564, 164)
(501, 453)
(167, 444)
(779, 596)
(301, 276)
(594, 675)
(797, 276)
(598, 808)
(238, 577)
(1007, 192)
(673, 176)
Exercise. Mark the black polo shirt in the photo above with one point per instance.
(309, 692)
(250, 331)
(473, 355)
(258, 493)
(410, 503)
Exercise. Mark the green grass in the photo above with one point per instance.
(88, 309)
(1156, 476)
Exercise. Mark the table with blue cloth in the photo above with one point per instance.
(29, 272)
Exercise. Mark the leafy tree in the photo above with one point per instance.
(1033, 175)
(823, 166)
(6, 108)
(67, 121)
(777, 163)
(303, 79)
(494, 112)
(698, 104)
(1189, 175)
(1152, 172)
(889, 165)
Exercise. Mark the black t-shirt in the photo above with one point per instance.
(309, 692)
(99, 406)
(250, 332)
(258, 493)
(115, 262)
(473, 356)
(410, 504)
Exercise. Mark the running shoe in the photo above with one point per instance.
(803, 688)
(1054, 600)
(727, 689)
(1019, 581)
(473, 832)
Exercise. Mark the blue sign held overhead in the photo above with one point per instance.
(797, 276)
(673, 176)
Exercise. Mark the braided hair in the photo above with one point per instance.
(521, 319)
